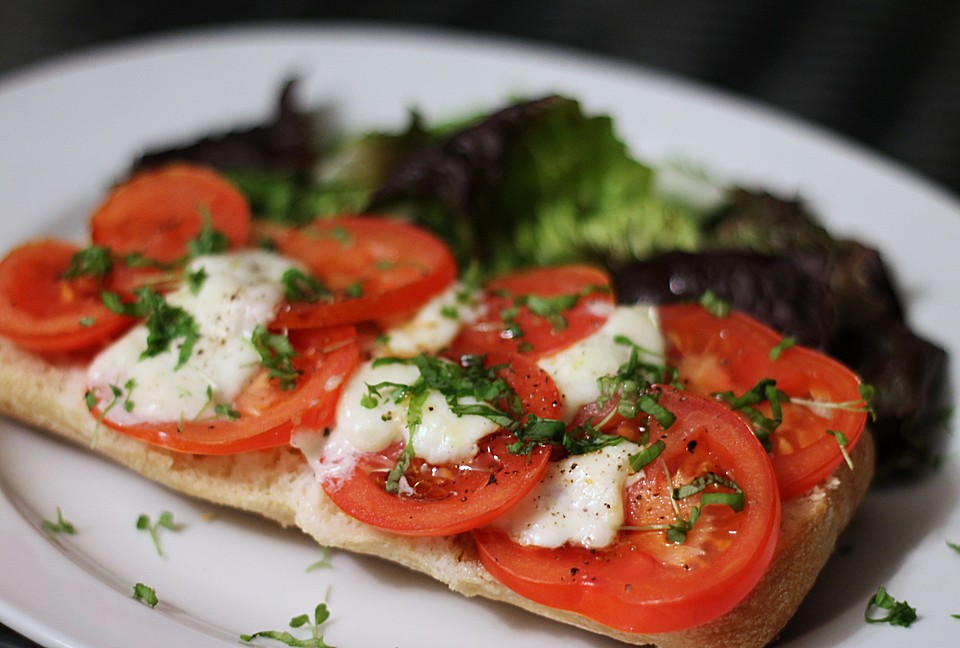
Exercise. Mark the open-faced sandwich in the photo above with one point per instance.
(548, 412)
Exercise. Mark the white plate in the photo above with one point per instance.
(68, 128)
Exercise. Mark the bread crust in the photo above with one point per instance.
(47, 393)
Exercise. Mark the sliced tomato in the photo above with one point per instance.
(511, 325)
(733, 353)
(447, 500)
(158, 212)
(374, 267)
(267, 413)
(644, 582)
(43, 311)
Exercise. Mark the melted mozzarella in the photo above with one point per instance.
(579, 501)
(442, 436)
(576, 368)
(241, 291)
(433, 327)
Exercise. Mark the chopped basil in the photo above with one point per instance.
(60, 526)
(276, 355)
(469, 378)
(223, 410)
(678, 532)
(645, 457)
(450, 312)
(324, 561)
(354, 290)
(765, 391)
(716, 306)
(92, 261)
(785, 343)
(165, 521)
(320, 616)
(842, 441)
(146, 595)
(899, 613)
(301, 287)
(209, 240)
(195, 280)
(549, 308)
(165, 323)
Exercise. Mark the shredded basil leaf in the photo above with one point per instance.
(60, 526)
(302, 287)
(899, 612)
(165, 323)
(716, 306)
(209, 240)
(765, 391)
(320, 616)
(165, 521)
(276, 355)
(678, 531)
(146, 595)
(92, 261)
(785, 343)
(645, 457)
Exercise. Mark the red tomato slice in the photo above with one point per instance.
(268, 414)
(717, 354)
(41, 310)
(453, 499)
(642, 582)
(508, 328)
(158, 212)
(375, 267)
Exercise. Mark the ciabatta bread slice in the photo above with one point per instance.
(279, 484)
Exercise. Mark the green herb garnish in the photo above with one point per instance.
(678, 532)
(645, 457)
(301, 287)
(842, 441)
(631, 385)
(60, 526)
(165, 521)
(209, 240)
(899, 612)
(716, 306)
(92, 261)
(165, 323)
(785, 343)
(324, 561)
(146, 595)
(276, 355)
(765, 391)
(320, 615)
(195, 280)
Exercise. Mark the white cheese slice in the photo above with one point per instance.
(442, 436)
(241, 291)
(434, 326)
(576, 368)
(579, 501)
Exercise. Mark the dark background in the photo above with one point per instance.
(883, 73)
